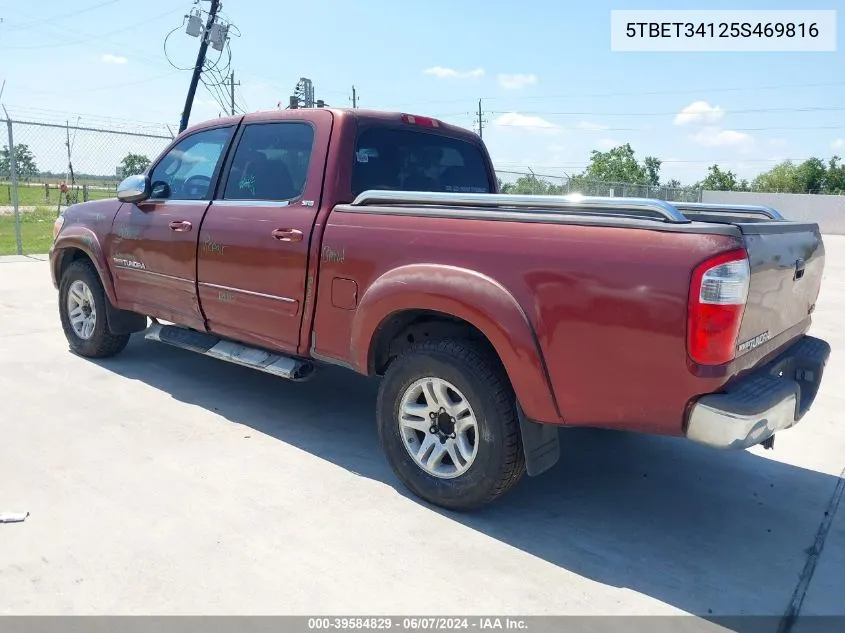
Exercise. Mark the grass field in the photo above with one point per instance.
(36, 231)
(32, 194)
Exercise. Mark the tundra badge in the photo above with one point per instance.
(751, 343)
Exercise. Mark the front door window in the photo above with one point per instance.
(187, 170)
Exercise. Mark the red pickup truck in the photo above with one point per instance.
(379, 242)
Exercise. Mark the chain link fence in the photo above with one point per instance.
(61, 164)
(56, 165)
(538, 184)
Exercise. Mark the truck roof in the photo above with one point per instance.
(361, 115)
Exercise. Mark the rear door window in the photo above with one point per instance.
(410, 160)
(270, 162)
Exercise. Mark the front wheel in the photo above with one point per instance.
(82, 309)
(448, 425)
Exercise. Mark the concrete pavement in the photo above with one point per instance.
(164, 482)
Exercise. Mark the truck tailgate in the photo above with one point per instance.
(786, 261)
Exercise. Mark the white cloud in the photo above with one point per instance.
(838, 143)
(715, 137)
(592, 127)
(108, 58)
(450, 73)
(699, 112)
(516, 82)
(529, 122)
(607, 143)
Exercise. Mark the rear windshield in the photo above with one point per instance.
(410, 160)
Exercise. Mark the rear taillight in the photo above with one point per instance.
(717, 299)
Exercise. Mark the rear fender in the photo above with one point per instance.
(473, 297)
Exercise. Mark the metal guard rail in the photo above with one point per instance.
(667, 211)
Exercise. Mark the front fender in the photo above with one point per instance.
(478, 300)
(79, 237)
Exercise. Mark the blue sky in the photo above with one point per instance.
(551, 88)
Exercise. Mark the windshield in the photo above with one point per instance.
(409, 160)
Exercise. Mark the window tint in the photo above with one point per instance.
(410, 160)
(186, 170)
(270, 162)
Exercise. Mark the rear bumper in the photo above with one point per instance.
(772, 398)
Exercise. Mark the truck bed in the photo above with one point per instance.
(604, 276)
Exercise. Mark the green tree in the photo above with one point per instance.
(24, 162)
(835, 182)
(133, 164)
(620, 164)
(652, 169)
(780, 178)
(811, 176)
(531, 185)
(718, 180)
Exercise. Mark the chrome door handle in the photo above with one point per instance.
(180, 225)
(288, 235)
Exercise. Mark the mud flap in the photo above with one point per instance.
(123, 321)
(540, 443)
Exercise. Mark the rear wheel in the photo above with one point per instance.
(448, 425)
(82, 309)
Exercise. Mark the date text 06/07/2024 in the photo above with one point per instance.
(424, 623)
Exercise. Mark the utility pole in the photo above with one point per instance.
(192, 89)
(232, 85)
(354, 98)
(481, 120)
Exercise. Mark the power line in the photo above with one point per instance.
(573, 95)
(552, 127)
(242, 104)
(109, 87)
(283, 90)
(214, 91)
(41, 116)
(62, 16)
(164, 46)
(102, 37)
(675, 112)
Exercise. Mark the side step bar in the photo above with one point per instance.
(209, 345)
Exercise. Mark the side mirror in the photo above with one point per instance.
(134, 189)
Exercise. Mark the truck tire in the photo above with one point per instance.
(82, 309)
(447, 423)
